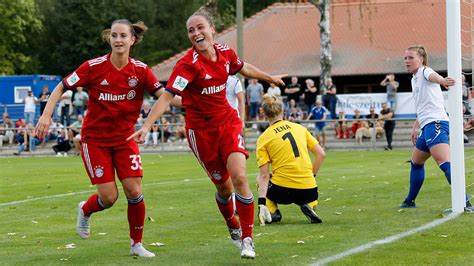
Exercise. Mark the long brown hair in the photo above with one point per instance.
(137, 30)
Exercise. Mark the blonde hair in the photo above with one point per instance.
(272, 106)
(421, 51)
(137, 30)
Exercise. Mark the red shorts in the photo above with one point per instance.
(102, 162)
(212, 147)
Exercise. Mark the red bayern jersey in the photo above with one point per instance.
(202, 84)
(115, 98)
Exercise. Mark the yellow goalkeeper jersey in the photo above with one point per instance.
(285, 146)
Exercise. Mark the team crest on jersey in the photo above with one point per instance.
(132, 81)
(73, 79)
(216, 175)
(131, 94)
(99, 171)
(180, 83)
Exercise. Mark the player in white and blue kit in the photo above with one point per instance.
(433, 140)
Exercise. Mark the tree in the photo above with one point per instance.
(18, 22)
(325, 40)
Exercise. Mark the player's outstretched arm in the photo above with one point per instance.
(176, 101)
(42, 127)
(159, 107)
(251, 71)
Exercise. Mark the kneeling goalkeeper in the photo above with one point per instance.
(284, 145)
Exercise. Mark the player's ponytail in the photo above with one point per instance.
(272, 106)
(421, 51)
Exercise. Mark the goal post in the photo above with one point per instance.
(456, 140)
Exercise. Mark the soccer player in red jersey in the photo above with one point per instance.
(213, 126)
(116, 85)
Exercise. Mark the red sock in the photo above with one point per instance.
(136, 218)
(92, 205)
(245, 209)
(227, 211)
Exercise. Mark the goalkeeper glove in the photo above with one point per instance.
(264, 215)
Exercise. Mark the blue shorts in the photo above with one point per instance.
(432, 134)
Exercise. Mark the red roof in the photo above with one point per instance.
(368, 38)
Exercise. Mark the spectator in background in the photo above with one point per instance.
(181, 129)
(80, 101)
(392, 87)
(341, 126)
(319, 112)
(274, 90)
(466, 94)
(294, 111)
(146, 108)
(154, 132)
(165, 131)
(310, 93)
(65, 107)
(30, 102)
(467, 119)
(254, 97)
(330, 97)
(386, 114)
(43, 98)
(6, 130)
(30, 141)
(235, 96)
(62, 145)
(293, 90)
(75, 134)
(357, 123)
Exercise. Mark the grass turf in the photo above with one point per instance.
(360, 192)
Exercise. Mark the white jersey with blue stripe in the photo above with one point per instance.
(429, 100)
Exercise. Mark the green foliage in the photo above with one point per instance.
(55, 37)
(360, 192)
(19, 23)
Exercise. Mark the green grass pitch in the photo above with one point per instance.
(360, 192)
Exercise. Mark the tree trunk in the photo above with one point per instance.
(325, 41)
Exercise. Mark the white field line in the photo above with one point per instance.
(93, 190)
(384, 241)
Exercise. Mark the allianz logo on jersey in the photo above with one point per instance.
(103, 96)
(213, 89)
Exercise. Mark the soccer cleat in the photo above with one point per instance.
(248, 249)
(469, 208)
(276, 216)
(140, 251)
(408, 204)
(235, 237)
(83, 227)
(310, 214)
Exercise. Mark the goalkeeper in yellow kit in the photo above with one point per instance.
(284, 145)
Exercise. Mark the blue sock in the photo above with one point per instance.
(417, 176)
(446, 167)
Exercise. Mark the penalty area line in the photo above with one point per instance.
(387, 240)
(93, 190)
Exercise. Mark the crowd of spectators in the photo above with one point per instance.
(301, 103)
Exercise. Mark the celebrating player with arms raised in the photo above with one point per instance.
(213, 126)
(116, 85)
